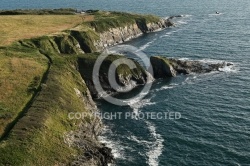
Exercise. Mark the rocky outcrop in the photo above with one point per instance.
(121, 34)
(194, 66)
(168, 67)
(162, 67)
(125, 77)
(94, 153)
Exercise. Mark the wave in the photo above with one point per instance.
(231, 68)
(228, 69)
(168, 34)
(156, 148)
(143, 47)
(180, 22)
(132, 84)
(186, 15)
(117, 148)
(164, 88)
(140, 104)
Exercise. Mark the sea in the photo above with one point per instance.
(214, 127)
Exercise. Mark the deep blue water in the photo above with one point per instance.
(215, 108)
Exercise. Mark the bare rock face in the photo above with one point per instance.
(162, 67)
(124, 77)
(121, 34)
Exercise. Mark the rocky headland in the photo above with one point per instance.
(42, 134)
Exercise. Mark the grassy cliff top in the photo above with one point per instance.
(17, 27)
(24, 24)
(38, 82)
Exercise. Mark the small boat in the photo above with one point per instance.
(217, 13)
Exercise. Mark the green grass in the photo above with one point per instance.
(62, 11)
(106, 20)
(38, 80)
(17, 27)
(37, 138)
(18, 68)
(86, 64)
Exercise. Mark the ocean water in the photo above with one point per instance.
(214, 128)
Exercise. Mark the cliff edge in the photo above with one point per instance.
(43, 82)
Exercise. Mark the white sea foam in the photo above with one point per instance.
(128, 87)
(210, 61)
(140, 104)
(183, 59)
(142, 142)
(168, 34)
(143, 47)
(186, 15)
(164, 88)
(117, 149)
(180, 22)
(155, 149)
(229, 69)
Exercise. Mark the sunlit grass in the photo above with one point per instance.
(13, 28)
(17, 76)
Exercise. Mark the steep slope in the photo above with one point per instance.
(40, 132)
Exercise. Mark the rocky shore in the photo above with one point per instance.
(67, 87)
(170, 67)
(121, 34)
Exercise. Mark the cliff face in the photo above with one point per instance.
(124, 76)
(162, 67)
(43, 133)
(121, 34)
(53, 139)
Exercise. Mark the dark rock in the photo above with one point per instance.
(229, 64)
(177, 16)
(168, 67)
(124, 76)
(188, 66)
(162, 67)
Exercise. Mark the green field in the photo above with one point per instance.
(39, 78)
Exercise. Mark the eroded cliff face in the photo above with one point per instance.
(70, 93)
(121, 34)
(125, 77)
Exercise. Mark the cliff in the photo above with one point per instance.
(45, 79)
(49, 81)
(124, 76)
(121, 34)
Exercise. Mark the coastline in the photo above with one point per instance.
(69, 87)
(81, 135)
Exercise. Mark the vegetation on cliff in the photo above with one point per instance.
(62, 11)
(123, 74)
(40, 83)
(106, 20)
